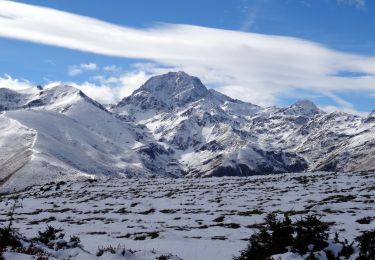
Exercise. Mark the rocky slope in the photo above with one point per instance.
(214, 135)
(171, 126)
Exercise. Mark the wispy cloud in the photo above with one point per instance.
(75, 70)
(7, 81)
(251, 13)
(342, 105)
(124, 83)
(360, 4)
(253, 67)
(111, 68)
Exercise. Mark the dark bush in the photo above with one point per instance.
(49, 235)
(102, 250)
(366, 245)
(270, 240)
(8, 238)
(281, 236)
(310, 231)
(74, 241)
(8, 234)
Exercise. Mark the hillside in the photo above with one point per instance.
(172, 126)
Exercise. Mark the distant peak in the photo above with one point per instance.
(8, 91)
(171, 77)
(174, 88)
(304, 107)
(305, 103)
(370, 118)
(63, 89)
(181, 73)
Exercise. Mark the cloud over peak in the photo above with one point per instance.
(252, 67)
(75, 70)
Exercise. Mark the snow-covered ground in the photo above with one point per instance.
(203, 218)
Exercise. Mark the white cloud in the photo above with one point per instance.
(15, 84)
(250, 19)
(122, 85)
(50, 62)
(102, 94)
(112, 68)
(75, 70)
(343, 105)
(357, 3)
(330, 109)
(89, 66)
(252, 67)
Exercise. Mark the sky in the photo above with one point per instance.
(268, 52)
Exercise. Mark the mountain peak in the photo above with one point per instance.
(304, 107)
(370, 118)
(62, 89)
(174, 85)
(305, 103)
(168, 91)
(60, 97)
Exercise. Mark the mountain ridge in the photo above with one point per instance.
(174, 126)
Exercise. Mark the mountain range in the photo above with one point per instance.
(172, 126)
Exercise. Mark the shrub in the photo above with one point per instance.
(366, 243)
(8, 235)
(54, 238)
(103, 250)
(74, 241)
(310, 231)
(365, 220)
(281, 236)
(49, 235)
(8, 238)
(270, 240)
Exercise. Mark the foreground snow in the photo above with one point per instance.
(182, 216)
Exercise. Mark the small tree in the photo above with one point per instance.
(281, 236)
(310, 231)
(366, 245)
(272, 239)
(8, 235)
(49, 235)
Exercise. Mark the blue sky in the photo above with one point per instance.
(340, 32)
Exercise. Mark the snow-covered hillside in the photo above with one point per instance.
(171, 126)
(61, 134)
(214, 135)
(196, 218)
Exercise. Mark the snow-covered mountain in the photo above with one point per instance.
(171, 126)
(61, 133)
(214, 135)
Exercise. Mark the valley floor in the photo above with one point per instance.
(207, 218)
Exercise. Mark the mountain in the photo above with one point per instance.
(61, 133)
(11, 99)
(214, 135)
(171, 126)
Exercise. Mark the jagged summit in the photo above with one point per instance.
(167, 91)
(304, 107)
(61, 97)
(370, 118)
(174, 84)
